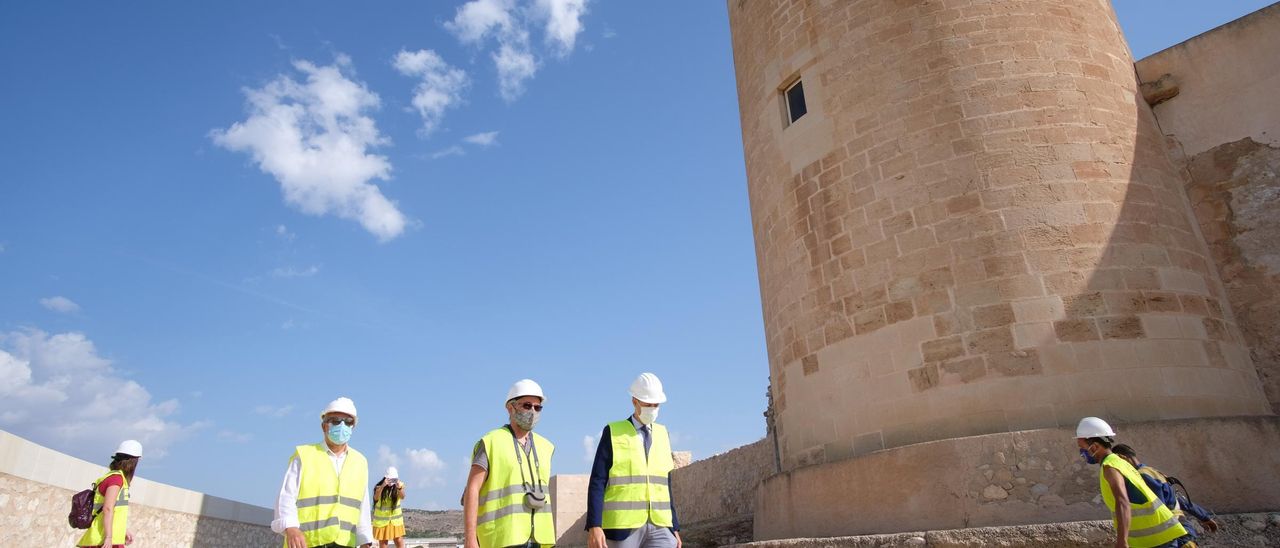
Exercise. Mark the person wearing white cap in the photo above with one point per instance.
(111, 500)
(1141, 519)
(324, 502)
(629, 501)
(388, 517)
(506, 501)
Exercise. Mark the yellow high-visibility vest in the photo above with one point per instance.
(387, 512)
(329, 503)
(1151, 523)
(637, 491)
(119, 515)
(502, 518)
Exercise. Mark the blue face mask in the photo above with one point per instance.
(1084, 453)
(339, 434)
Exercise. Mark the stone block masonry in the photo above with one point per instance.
(976, 228)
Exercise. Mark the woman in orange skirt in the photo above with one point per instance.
(388, 519)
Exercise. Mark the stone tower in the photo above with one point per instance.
(972, 227)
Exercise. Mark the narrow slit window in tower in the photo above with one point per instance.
(794, 97)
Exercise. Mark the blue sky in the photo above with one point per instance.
(177, 267)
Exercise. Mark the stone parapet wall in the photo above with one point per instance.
(724, 485)
(36, 485)
(716, 496)
(1032, 477)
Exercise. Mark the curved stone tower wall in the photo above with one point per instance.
(975, 228)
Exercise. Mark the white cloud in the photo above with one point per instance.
(423, 467)
(439, 88)
(283, 233)
(563, 22)
(292, 272)
(609, 32)
(479, 20)
(234, 437)
(486, 139)
(314, 138)
(589, 448)
(60, 304)
(273, 411)
(454, 150)
(515, 65)
(57, 391)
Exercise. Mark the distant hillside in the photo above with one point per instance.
(431, 523)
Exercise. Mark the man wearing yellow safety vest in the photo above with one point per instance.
(1141, 519)
(324, 502)
(629, 495)
(506, 501)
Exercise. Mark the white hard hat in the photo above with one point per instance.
(392, 473)
(1094, 427)
(524, 387)
(648, 389)
(129, 447)
(340, 405)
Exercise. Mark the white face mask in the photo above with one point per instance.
(647, 415)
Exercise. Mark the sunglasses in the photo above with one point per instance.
(334, 421)
(527, 406)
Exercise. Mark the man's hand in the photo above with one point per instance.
(1211, 525)
(595, 538)
(128, 538)
(472, 543)
(293, 538)
(679, 543)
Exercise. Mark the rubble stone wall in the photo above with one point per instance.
(36, 485)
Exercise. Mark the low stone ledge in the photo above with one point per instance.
(1258, 529)
(1017, 478)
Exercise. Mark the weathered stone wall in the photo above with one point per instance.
(1218, 107)
(976, 221)
(715, 497)
(36, 485)
(31, 511)
(1030, 477)
(1225, 81)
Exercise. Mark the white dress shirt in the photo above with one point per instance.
(287, 501)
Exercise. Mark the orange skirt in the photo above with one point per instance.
(391, 532)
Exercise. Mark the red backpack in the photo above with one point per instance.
(82, 513)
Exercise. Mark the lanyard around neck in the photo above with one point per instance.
(535, 467)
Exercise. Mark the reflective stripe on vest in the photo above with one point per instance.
(1151, 523)
(119, 515)
(387, 513)
(638, 490)
(329, 503)
(502, 518)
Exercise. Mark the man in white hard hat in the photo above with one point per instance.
(1141, 519)
(324, 502)
(629, 495)
(506, 501)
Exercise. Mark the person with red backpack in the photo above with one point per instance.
(111, 500)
